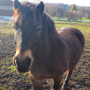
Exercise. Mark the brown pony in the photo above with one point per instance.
(40, 49)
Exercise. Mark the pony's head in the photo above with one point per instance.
(28, 27)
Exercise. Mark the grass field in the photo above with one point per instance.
(10, 79)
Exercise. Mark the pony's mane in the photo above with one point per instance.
(49, 33)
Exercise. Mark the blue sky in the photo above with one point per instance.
(77, 2)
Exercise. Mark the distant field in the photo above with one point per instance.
(79, 25)
(83, 19)
(10, 79)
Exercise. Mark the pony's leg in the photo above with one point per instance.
(38, 85)
(69, 73)
(57, 81)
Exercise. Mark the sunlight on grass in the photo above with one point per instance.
(7, 31)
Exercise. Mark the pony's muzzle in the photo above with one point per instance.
(23, 61)
(22, 65)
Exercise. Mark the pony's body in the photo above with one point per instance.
(66, 56)
(40, 49)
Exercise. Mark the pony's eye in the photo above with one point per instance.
(15, 25)
(39, 29)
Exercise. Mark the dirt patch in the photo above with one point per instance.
(10, 79)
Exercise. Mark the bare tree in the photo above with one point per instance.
(51, 9)
(72, 15)
(60, 12)
(88, 13)
(54, 10)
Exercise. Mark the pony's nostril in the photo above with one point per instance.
(15, 60)
(28, 61)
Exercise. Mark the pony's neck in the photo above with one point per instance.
(49, 34)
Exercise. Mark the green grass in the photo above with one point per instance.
(79, 25)
(60, 18)
(7, 63)
(5, 25)
(6, 32)
(2, 67)
(1, 88)
(84, 18)
(28, 80)
(64, 22)
(64, 18)
(12, 68)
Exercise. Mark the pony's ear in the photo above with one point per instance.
(40, 7)
(16, 4)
